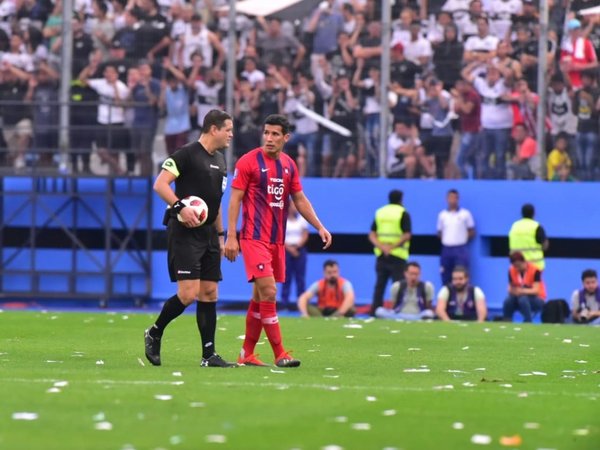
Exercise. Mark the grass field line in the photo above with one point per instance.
(283, 385)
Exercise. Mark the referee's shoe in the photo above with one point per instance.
(216, 361)
(152, 347)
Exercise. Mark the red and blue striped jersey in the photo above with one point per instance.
(267, 184)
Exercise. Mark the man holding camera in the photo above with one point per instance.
(585, 302)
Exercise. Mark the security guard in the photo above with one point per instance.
(390, 235)
(528, 237)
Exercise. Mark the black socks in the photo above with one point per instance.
(170, 310)
(206, 318)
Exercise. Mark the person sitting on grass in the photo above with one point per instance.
(526, 291)
(335, 295)
(411, 297)
(461, 300)
(585, 302)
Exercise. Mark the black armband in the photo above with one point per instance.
(177, 206)
(221, 233)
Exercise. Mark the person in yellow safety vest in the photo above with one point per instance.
(528, 237)
(390, 235)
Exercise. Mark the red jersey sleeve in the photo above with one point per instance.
(295, 184)
(241, 174)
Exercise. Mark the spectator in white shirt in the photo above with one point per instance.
(455, 227)
(481, 47)
(417, 49)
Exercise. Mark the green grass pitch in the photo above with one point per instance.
(80, 381)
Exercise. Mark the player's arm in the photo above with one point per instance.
(307, 211)
(440, 307)
(348, 301)
(219, 227)
(303, 301)
(232, 248)
(480, 307)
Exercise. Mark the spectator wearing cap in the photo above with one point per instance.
(324, 25)
(103, 28)
(526, 290)
(482, 47)
(117, 58)
(403, 76)
(577, 53)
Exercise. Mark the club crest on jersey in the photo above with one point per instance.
(260, 267)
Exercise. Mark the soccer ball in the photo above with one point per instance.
(198, 205)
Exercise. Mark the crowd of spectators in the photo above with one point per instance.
(463, 89)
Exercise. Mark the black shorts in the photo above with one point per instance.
(193, 253)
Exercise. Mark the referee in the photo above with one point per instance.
(194, 253)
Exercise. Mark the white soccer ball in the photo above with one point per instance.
(198, 205)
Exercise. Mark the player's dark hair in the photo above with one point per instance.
(588, 273)
(279, 120)
(461, 269)
(395, 197)
(330, 263)
(527, 211)
(412, 264)
(452, 191)
(516, 257)
(215, 117)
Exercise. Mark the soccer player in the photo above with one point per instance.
(194, 252)
(263, 182)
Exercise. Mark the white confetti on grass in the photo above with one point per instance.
(417, 370)
(216, 439)
(465, 348)
(523, 395)
(384, 356)
(469, 384)
(61, 383)
(125, 317)
(353, 325)
(329, 368)
(455, 371)
(584, 345)
(350, 337)
(53, 390)
(361, 426)
(141, 362)
(458, 425)
(25, 416)
(332, 447)
(177, 383)
(481, 439)
(371, 398)
(414, 349)
(444, 387)
(486, 330)
(163, 397)
(394, 331)
(331, 376)
(177, 374)
(443, 336)
(531, 426)
(480, 369)
(581, 432)
(580, 361)
(333, 388)
(277, 371)
(539, 374)
(340, 419)
(197, 405)
(51, 361)
(99, 417)
(506, 385)
(175, 440)
(567, 341)
(103, 426)
(389, 412)
(99, 362)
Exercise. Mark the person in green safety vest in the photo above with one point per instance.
(528, 237)
(390, 235)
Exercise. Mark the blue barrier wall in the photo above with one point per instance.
(347, 206)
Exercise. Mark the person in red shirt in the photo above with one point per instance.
(526, 162)
(577, 53)
(263, 182)
(467, 105)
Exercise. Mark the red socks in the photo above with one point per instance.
(270, 322)
(253, 328)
